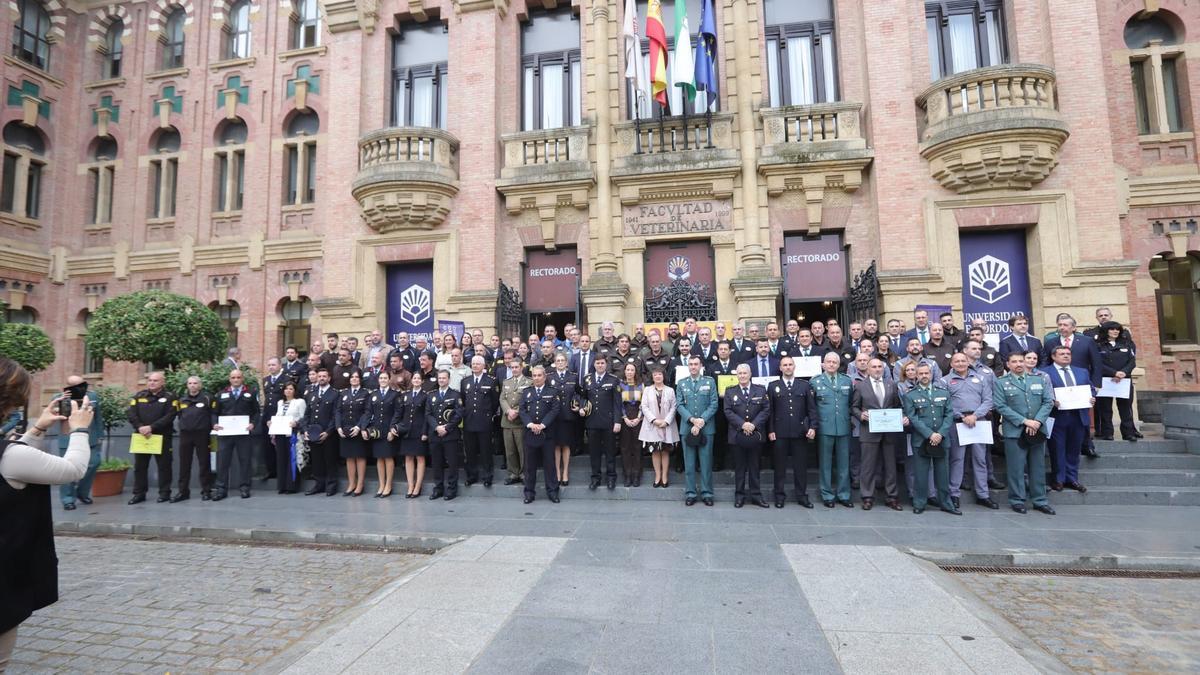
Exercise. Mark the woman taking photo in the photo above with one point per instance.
(29, 580)
(353, 448)
(410, 424)
(659, 432)
(376, 423)
(631, 425)
(286, 447)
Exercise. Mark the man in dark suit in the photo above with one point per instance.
(320, 404)
(763, 364)
(233, 358)
(681, 359)
(583, 362)
(444, 413)
(876, 393)
(503, 372)
(235, 400)
(603, 391)
(1085, 353)
(481, 400)
(539, 408)
(741, 348)
(272, 392)
(748, 411)
(792, 428)
(1070, 426)
(1020, 340)
(920, 329)
(293, 366)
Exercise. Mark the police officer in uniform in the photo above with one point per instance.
(793, 427)
(272, 393)
(831, 390)
(696, 402)
(930, 415)
(748, 412)
(352, 405)
(445, 412)
(539, 407)
(236, 399)
(971, 399)
(565, 431)
(1024, 401)
(152, 412)
(195, 430)
(321, 404)
(481, 399)
(602, 391)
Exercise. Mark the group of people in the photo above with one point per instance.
(690, 396)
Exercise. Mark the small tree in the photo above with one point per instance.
(27, 345)
(213, 377)
(114, 402)
(156, 327)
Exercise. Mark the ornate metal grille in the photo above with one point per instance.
(510, 313)
(679, 300)
(864, 294)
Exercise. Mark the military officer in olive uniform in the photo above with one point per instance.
(832, 390)
(602, 391)
(481, 400)
(794, 425)
(445, 412)
(1024, 401)
(152, 412)
(748, 412)
(539, 408)
(930, 414)
(510, 418)
(696, 402)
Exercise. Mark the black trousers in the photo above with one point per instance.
(745, 471)
(602, 446)
(194, 443)
(324, 458)
(797, 449)
(540, 456)
(720, 451)
(141, 470)
(285, 481)
(266, 448)
(243, 448)
(445, 453)
(1104, 419)
(478, 445)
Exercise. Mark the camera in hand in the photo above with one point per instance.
(64, 407)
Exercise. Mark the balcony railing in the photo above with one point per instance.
(545, 164)
(408, 144)
(675, 134)
(996, 88)
(812, 123)
(406, 177)
(548, 146)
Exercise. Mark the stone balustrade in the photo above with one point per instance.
(406, 177)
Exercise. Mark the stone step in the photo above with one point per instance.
(1157, 460)
(1142, 447)
(1138, 477)
(1130, 496)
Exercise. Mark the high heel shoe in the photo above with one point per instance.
(385, 495)
(378, 495)
(348, 493)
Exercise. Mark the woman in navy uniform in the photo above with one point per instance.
(352, 404)
(565, 430)
(1117, 360)
(411, 424)
(376, 423)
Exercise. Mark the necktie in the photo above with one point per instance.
(1067, 378)
(762, 367)
(746, 393)
(538, 391)
(924, 335)
(1067, 342)
(583, 368)
(321, 391)
(878, 384)
(476, 381)
(1021, 341)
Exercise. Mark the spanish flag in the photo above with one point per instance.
(657, 35)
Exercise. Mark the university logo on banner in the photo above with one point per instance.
(416, 304)
(995, 273)
(410, 300)
(988, 279)
(679, 268)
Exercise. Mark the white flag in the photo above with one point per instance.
(683, 68)
(635, 66)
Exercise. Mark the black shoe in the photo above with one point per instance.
(162, 499)
(612, 482)
(331, 492)
(1131, 439)
(918, 510)
(528, 499)
(181, 497)
(1106, 437)
(846, 503)
(88, 500)
(828, 504)
(1056, 486)
(554, 498)
(451, 496)
(313, 490)
(954, 511)
(1020, 508)
(487, 483)
(986, 501)
(868, 504)
(1090, 452)
(779, 503)
(137, 499)
(934, 501)
(469, 482)
(761, 503)
(385, 496)
(409, 495)
(348, 493)
(708, 501)
(804, 501)
(1136, 434)
(628, 482)
(438, 493)
(596, 483)
(687, 502)
(957, 504)
(245, 493)
(996, 485)
(1076, 486)
(511, 481)
(1044, 508)
(219, 496)
(739, 502)
(69, 506)
(205, 497)
(564, 482)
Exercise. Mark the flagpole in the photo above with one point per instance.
(661, 131)
(708, 118)
(686, 131)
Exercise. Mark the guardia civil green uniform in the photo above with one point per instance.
(1018, 398)
(833, 434)
(697, 398)
(929, 411)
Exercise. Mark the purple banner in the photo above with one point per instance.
(457, 328)
(995, 276)
(410, 300)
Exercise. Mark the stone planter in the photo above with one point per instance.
(109, 483)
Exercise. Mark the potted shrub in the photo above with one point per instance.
(110, 477)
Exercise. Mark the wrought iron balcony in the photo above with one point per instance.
(407, 177)
(992, 128)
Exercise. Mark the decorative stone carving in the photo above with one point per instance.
(407, 177)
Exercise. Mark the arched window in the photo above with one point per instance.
(230, 158)
(21, 175)
(31, 34)
(93, 363)
(172, 49)
(306, 24)
(237, 45)
(1156, 70)
(25, 315)
(300, 159)
(102, 175)
(113, 50)
(229, 313)
(1177, 297)
(296, 329)
(164, 170)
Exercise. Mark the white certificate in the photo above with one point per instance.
(681, 373)
(885, 420)
(764, 381)
(233, 425)
(280, 426)
(807, 366)
(1110, 388)
(980, 434)
(1078, 397)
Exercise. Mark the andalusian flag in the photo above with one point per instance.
(683, 70)
(657, 35)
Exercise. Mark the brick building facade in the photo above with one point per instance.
(276, 159)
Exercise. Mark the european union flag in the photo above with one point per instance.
(706, 54)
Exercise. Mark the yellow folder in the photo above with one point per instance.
(140, 445)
